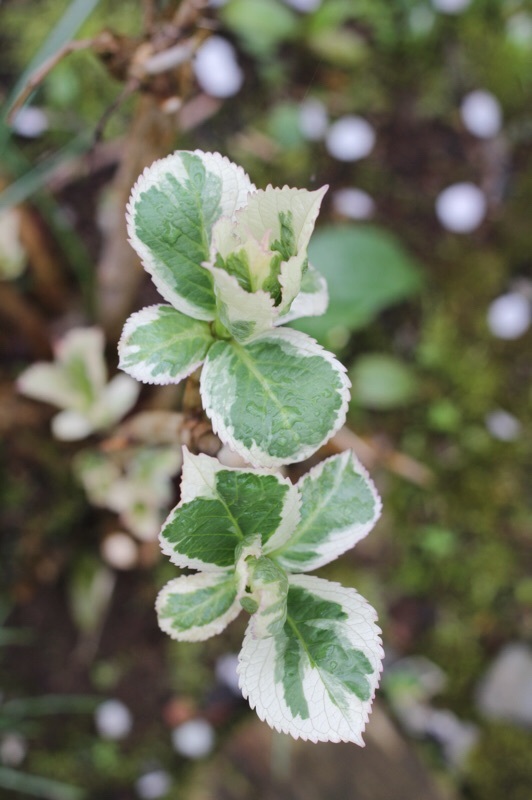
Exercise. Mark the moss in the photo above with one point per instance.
(501, 765)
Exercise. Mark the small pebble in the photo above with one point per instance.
(119, 551)
(503, 426)
(461, 207)
(193, 739)
(153, 785)
(113, 720)
(350, 138)
(451, 6)
(509, 316)
(505, 691)
(216, 68)
(481, 114)
(313, 119)
(353, 204)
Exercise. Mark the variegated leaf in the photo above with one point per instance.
(312, 300)
(116, 399)
(339, 506)
(245, 315)
(70, 426)
(266, 209)
(49, 383)
(192, 608)
(316, 679)
(275, 400)
(161, 345)
(80, 352)
(171, 212)
(221, 507)
(269, 589)
(287, 217)
(77, 376)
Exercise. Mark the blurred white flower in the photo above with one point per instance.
(193, 739)
(119, 551)
(153, 785)
(353, 204)
(503, 426)
(450, 6)
(509, 316)
(13, 749)
(77, 383)
(226, 672)
(461, 207)
(30, 122)
(313, 119)
(350, 138)
(113, 720)
(305, 6)
(216, 68)
(481, 114)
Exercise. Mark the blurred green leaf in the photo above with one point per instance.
(283, 125)
(49, 704)
(437, 542)
(36, 177)
(444, 416)
(36, 786)
(261, 25)
(382, 382)
(90, 589)
(366, 269)
(65, 29)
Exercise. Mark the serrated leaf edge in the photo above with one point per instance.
(148, 314)
(332, 736)
(198, 633)
(314, 474)
(145, 180)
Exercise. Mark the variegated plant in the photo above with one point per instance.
(311, 657)
(76, 382)
(134, 482)
(232, 263)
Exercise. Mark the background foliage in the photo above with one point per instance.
(448, 566)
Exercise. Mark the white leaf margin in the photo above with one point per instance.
(141, 319)
(338, 540)
(308, 304)
(198, 480)
(326, 723)
(264, 207)
(188, 584)
(306, 347)
(236, 188)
